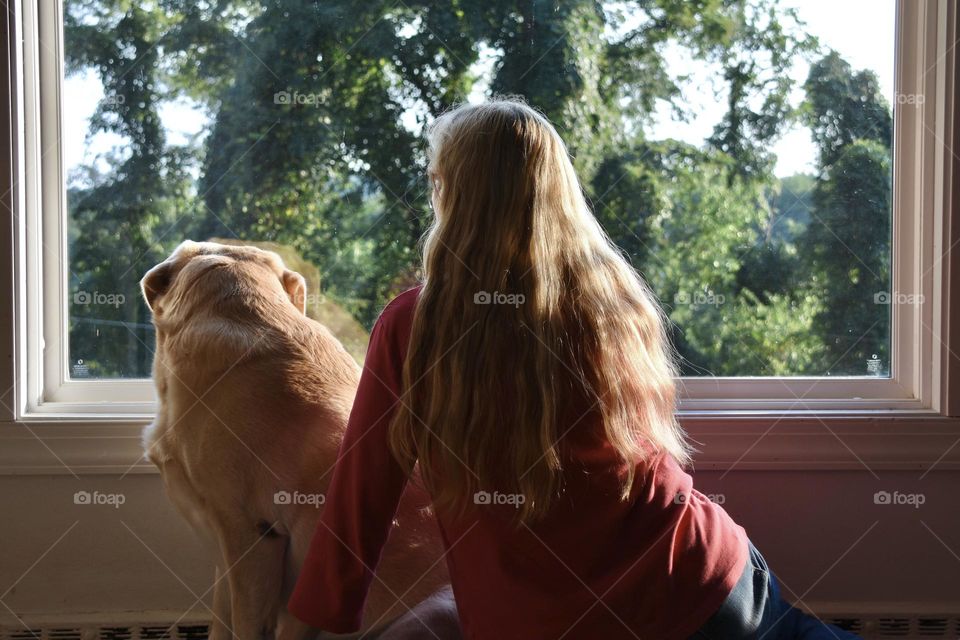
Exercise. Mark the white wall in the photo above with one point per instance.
(806, 523)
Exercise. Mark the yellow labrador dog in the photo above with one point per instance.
(253, 402)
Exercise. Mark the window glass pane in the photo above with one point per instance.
(739, 154)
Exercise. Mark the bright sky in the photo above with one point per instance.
(861, 30)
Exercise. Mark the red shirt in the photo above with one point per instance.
(656, 566)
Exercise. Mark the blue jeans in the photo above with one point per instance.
(754, 610)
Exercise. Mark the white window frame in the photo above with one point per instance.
(46, 397)
(917, 216)
(49, 389)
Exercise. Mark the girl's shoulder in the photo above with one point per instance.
(396, 319)
(404, 301)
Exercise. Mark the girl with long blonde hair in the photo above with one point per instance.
(529, 384)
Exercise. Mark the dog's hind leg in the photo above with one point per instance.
(253, 556)
(220, 627)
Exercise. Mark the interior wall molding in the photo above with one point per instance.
(742, 442)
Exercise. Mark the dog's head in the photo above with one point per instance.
(219, 275)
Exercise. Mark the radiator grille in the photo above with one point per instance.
(881, 627)
(153, 631)
(868, 627)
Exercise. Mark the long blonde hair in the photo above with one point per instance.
(525, 305)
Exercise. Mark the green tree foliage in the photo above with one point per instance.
(315, 112)
(702, 230)
(792, 203)
(846, 246)
(772, 264)
(843, 106)
(118, 216)
(756, 56)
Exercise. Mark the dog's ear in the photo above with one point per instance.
(156, 282)
(296, 287)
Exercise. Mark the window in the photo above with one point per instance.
(768, 179)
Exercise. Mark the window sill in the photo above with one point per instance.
(856, 441)
(865, 442)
